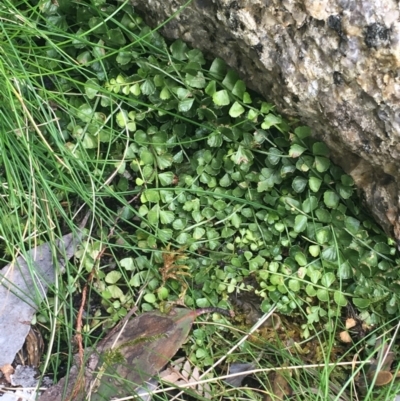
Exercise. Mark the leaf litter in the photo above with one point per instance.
(23, 286)
(124, 361)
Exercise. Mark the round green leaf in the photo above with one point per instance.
(201, 353)
(211, 88)
(221, 98)
(323, 235)
(320, 149)
(383, 248)
(280, 227)
(150, 195)
(179, 50)
(345, 271)
(182, 238)
(323, 295)
(247, 98)
(230, 79)
(370, 259)
(322, 164)
(202, 303)
(311, 291)
(271, 120)
(162, 293)
(299, 184)
(310, 204)
(127, 263)
(314, 183)
(150, 298)
(361, 303)
(236, 110)
(208, 212)
(85, 113)
(323, 215)
(166, 178)
(239, 89)
(164, 234)
(331, 199)
(195, 81)
(225, 181)
(198, 233)
(148, 87)
(329, 254)
(91, 88)
(345, 192)
(314, 275)
(112, 277)
(347, 180)
(135, 89)
(314, 250)
(302, 132)
(166, 216)
(300, 258)
(84, 57)
(136, 280)
(115, 291)
(296, 150)
(236, 220)
(339, 298)
(328, 279)
(274, 155)
(300, 223)
(352, 224)
(294, 285)
(276, 279)
(179, 224)
(215, 139)
(304, 163)
(185, 105)
(183, 93)
(146, 156)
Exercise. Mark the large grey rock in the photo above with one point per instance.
(332, 63)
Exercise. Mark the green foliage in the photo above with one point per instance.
(218, 172)
(166, 148)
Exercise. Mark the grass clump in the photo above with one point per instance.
(198, 189)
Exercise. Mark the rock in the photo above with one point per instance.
(331, 63)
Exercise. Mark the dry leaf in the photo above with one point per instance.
(379, 370)
(127, 359)
(181, 372)
(350, 323)
(171, 374)
(345, 337)
(280, 388)
(7, 370)
(244, 368)
(21, 291)
(383, 377)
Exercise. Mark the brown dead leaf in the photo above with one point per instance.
(128, 358)
(7, 370)
(21, 292)
(170, 374)
(345, 337)
(280, 387)
(182, 372)
(350, 323)
(379, 370)
(383, 377)
(235, 368)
